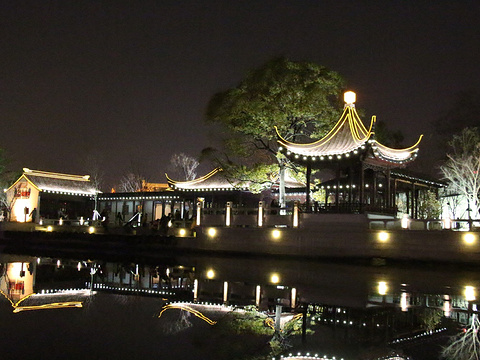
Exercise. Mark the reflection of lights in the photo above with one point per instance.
(447, 306)
(212, 232)
(58, 263)
(81, 220)
(469, 293)
(382, 287)
(60, 221)
(276, 234)
(469, 238)
(404, 301)
(79, 266)
(275, 279)
(190, 310)
(69, 304)
(210, 274)
(17, 308)
(383, 236)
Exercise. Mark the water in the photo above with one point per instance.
(357, 311)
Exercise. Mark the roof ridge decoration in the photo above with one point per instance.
(348, 137)
(59, 176)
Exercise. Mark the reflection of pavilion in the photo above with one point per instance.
(18, 286)
(17, 279)
(366, 175)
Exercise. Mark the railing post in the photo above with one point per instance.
(405, 222)
(199, 213)
(195, 290)
(260, 214)
(225, 292)
(257, 296)
(447, 223)
(295, 214)
(228, 214)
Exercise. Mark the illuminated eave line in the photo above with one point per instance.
(323, 140)
(412, 148)
(28, 180)
(66, 192)
(356, 127)
(159, 197)
(195, 181)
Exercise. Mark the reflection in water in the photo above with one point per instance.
(353, 309)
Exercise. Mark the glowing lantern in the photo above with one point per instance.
(349, 97)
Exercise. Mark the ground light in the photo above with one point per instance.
(276, 234)
(210, 274)
(382, 288)
(469, 238)
(383, 236)
(212, 232)
(274, 278)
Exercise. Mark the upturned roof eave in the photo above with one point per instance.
(357, 136)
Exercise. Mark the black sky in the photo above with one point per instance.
(128, 82)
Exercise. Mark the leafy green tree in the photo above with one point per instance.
(301, 99)
(429, 206)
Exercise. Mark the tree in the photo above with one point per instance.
(301, 99)
(93, 164)
(131, 182)
(184, 166)
(429, 206)
(462, 167)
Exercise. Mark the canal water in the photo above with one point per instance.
(181, 307)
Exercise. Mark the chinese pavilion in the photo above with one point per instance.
(368, 176)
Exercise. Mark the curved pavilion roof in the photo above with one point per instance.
(348, 137)
(210, 181)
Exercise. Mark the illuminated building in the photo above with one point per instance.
(365, 175)
(53, 195)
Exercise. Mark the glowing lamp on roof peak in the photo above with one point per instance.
(349, 97)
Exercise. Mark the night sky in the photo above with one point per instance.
(128, 83)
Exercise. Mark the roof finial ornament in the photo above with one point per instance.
(349, 97)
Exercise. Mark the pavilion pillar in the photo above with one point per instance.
(337, 189)
(307, 190)
(407, 196)
(394, 195)
(350, 190)
(374, 189)
(415, 201)
(388, 197)
(362, 187)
